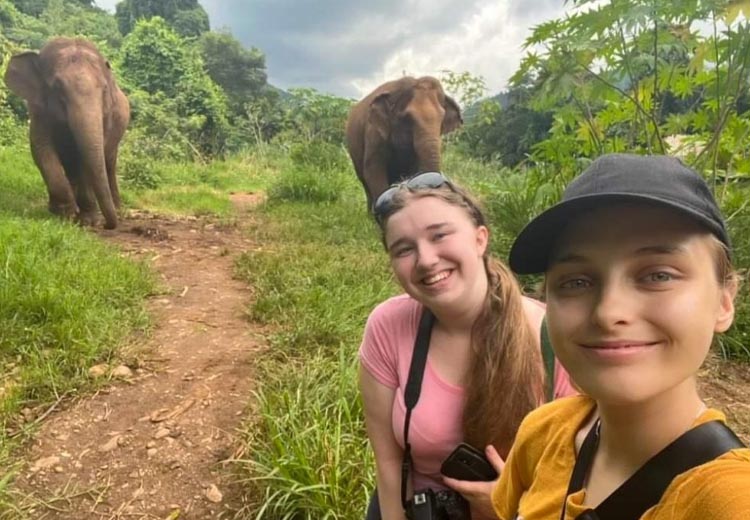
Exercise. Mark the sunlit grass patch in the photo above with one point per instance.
(66, 301)
(200, 189)
(307, 454)
(22, 190)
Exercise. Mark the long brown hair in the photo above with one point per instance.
(506, 377)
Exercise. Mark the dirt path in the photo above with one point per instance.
(153, 445)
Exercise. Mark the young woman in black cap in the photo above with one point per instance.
(638, 279)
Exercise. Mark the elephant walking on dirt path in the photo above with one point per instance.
(78, 116)
(394, 132)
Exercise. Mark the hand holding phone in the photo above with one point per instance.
(468, 463)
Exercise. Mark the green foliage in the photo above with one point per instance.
(464, 87)
(158, 61)
(186, 17)
(326, 469)
(64, 17)
(319, 174)
(240, 72)
(623, 75)
(311, 115)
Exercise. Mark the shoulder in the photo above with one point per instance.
(717, 489)
(535, 311)
(567, 410)
(395, 310)
(554, 422)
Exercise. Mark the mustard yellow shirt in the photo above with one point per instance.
(535, 479)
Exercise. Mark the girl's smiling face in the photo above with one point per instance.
(633, 300)
(436, 253)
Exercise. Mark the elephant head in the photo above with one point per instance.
(395, 132)
(71, 94)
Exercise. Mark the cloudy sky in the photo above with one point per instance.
(348, 47)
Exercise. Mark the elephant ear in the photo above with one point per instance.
(379, 114)
(24, 77)
(452, 118)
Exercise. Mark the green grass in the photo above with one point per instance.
(319, 273)
(22, 190)
(200, 189)
(67, 302)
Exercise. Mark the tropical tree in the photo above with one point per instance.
(155, 59)
(187, 17)
(623, 75)
(239, 71)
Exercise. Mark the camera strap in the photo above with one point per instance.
(646, 486)
(416, 374)
(413, 389)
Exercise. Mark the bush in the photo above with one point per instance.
(319, 173)
(307, 184)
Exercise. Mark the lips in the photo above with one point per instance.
(437, 277)
(619, 345)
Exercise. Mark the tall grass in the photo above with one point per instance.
(320, 272)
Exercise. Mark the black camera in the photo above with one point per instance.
(425, 506)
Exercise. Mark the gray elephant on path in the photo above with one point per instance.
(78, 117)
(394, 132)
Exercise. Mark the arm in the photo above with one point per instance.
(377, 400)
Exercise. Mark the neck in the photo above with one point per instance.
(460, 318)
(633, 433)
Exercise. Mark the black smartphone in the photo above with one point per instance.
(468, 463)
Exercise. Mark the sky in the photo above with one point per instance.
(347, 47)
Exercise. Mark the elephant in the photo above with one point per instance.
(394, 132)
(78, 116)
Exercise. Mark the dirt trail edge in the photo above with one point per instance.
(152, 446)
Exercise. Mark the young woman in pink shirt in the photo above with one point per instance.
(484, 370)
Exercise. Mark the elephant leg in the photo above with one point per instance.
(61, 197)
(88, 210)
(375, 166)
(111, 165)
(375, 179)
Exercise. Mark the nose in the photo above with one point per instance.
(427, 256)
(612, 307)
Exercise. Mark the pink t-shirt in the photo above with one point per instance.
(435, 428)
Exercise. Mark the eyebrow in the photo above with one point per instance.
(573, 258)
(431, 227)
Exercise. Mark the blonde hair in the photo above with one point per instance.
(506, 376)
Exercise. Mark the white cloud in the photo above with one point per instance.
(349, 49)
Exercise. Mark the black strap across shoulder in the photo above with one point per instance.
(645, 488)
(413, 389)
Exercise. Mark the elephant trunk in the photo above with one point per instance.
(87, 125)
(427, 144)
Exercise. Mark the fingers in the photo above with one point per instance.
(468, 488)
(495, 459)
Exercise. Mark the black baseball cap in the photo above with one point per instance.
(618, 177)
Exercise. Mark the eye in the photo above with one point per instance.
(659, 277)
(575, 283)
(401, 251)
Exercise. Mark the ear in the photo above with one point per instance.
(379, 116)
(452, 118)
(483, 237)
(725, 315)
(24, 78)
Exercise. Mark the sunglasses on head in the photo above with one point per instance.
(425, 180)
